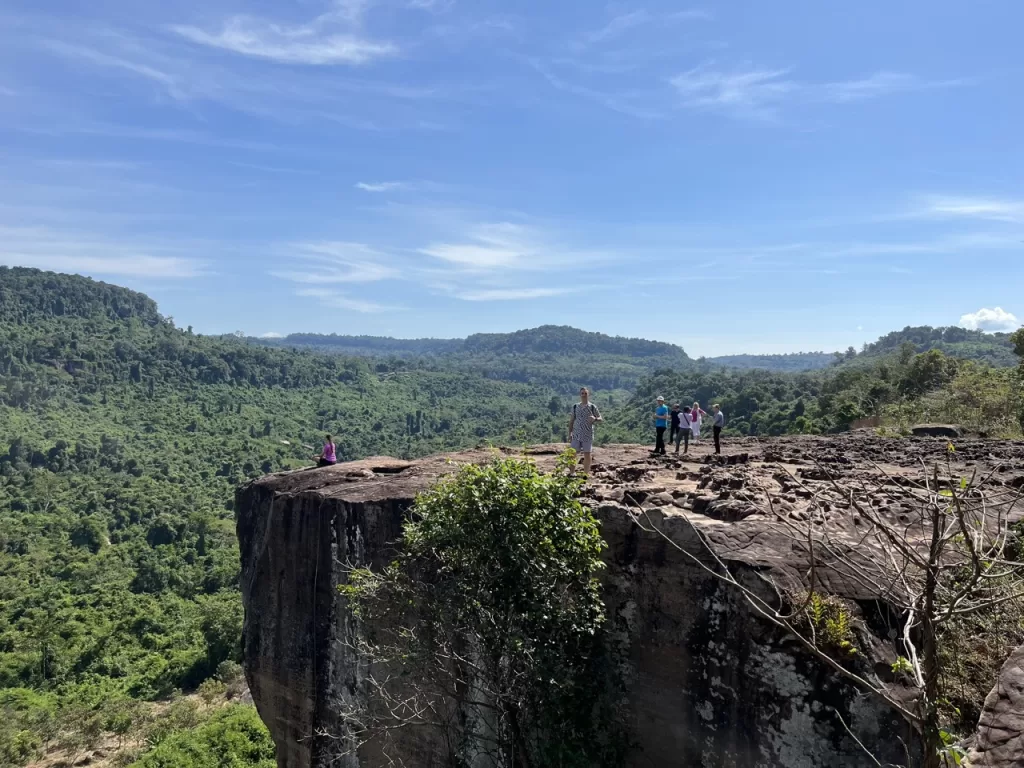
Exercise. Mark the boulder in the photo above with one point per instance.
(936, 430)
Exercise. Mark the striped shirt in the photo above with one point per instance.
(582, 427)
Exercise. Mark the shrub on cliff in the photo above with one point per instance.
(493, 607)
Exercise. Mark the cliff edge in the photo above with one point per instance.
(704, 680)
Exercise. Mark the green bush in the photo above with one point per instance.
(235, 737)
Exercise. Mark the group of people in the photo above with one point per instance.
(683, 424)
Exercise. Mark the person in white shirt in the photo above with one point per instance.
(683, 435)
(696, 416)
(581, 427)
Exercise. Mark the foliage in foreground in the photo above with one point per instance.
(235, 737)
(496, 587)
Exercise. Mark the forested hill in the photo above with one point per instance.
(369, 346)
(990, 348)
(792, 362)
(560, 358)
(547, 339)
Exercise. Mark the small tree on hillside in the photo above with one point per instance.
(948, 569)
(487, 626)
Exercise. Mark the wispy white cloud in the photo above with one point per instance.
(138, 265)
(86, 253)
(875, 86)
(511, 294)
(384, 186)
(754, 92)
(500, 245)
(331, 298)
(617, 26)
(183, 135)
(761, 93)
(988, 208)
(80, 164)
(623, 103)
(275, 168)
(338, 262)
(102, 59)
(621, 24)
(313, 44)
(990, 320)
(434, 6)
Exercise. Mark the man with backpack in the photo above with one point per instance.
(581, 427)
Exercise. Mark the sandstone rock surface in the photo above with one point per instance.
(1000, 740)
(705, 682)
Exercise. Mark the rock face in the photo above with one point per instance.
(705, 681)
(1000, 739)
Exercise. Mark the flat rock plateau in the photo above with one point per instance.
(703, 680)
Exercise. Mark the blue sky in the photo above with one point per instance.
(736, 176)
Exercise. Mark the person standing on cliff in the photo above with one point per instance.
(660, 424)
(716, 426)
(683, 435)
(673, 425)
(581, 427)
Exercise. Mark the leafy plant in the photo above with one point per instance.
(496, 587)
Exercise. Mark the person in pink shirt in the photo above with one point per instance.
(328, 456)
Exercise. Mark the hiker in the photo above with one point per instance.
(673, 427)
(717, 424)
(581, 427)
(660, 424)
(683, 435)
(328, 456)
(696, 417)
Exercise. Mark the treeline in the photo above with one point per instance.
(995, 349)
(792, 362)
(903, 388)
(557, 357)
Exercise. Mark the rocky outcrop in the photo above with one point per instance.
(1000, 738)
(704, 680)
(936, 430)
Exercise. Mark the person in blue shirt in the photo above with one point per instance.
(660, 423)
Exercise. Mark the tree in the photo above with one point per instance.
(494, 610)
(953, 558)
(1018, 349)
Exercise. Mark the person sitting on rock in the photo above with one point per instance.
(683, 435)
(329, 455)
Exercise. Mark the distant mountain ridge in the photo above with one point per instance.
(545, 339)
(991, 348)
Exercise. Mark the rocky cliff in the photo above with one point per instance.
(705, 681)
